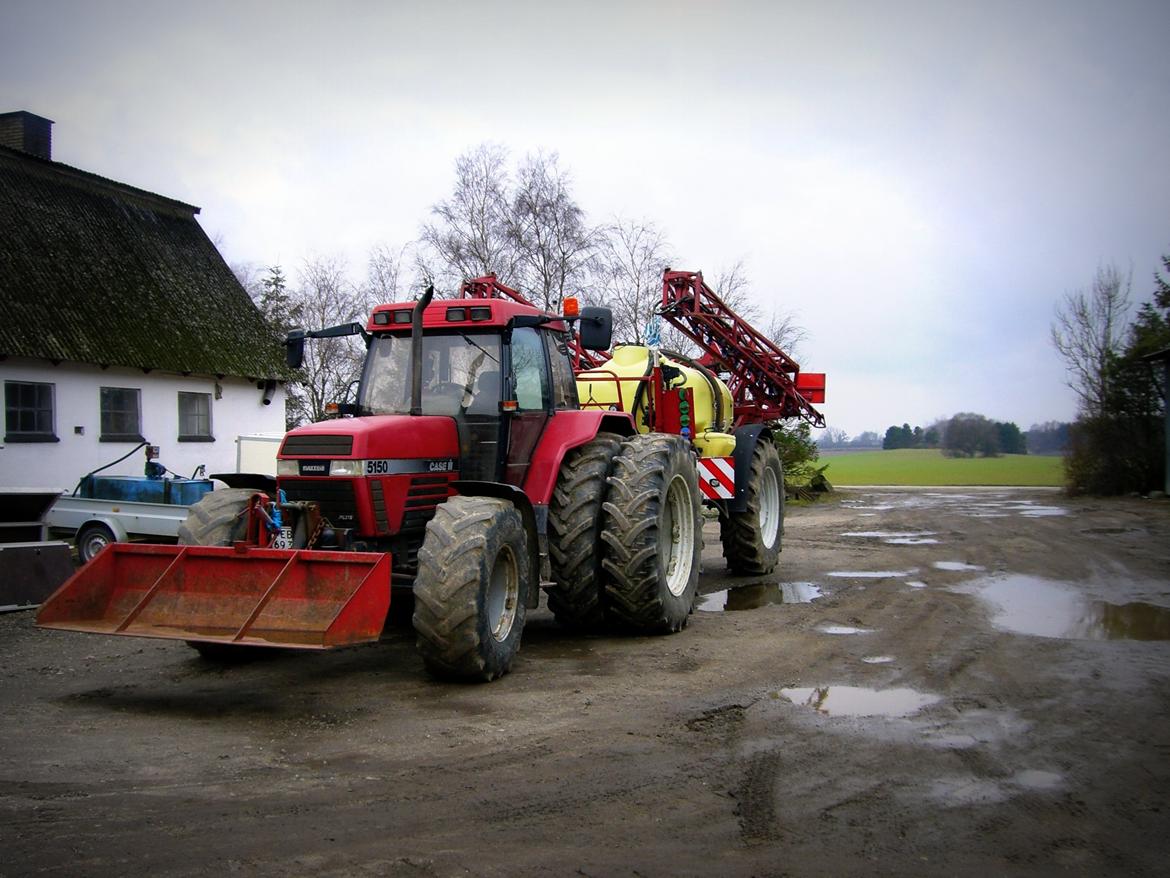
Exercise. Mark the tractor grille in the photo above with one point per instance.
(378, 498)
(332, 446)
(423, 495)
(334, 496)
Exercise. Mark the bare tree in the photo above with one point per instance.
(632, 255)
(555, 248)
(1088, 333)
(470, 234)
(325, 296)
(384, 276)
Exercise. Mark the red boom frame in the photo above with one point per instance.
(765, 383)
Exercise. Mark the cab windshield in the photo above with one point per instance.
(461, 374)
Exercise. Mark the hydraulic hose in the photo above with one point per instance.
(108, 465)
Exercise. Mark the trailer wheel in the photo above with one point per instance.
(574, 532)
(217, 519)
(469, 594)
(91, 539)
(751, 539)
(652, 535)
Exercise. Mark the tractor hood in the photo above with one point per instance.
(376, 437)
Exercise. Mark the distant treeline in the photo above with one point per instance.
(964, 435)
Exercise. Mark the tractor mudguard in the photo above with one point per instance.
(568, 429)
(745, 446)
(299, 598)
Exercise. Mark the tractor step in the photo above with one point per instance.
(244, 595)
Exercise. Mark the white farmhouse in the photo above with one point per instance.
(120, 324)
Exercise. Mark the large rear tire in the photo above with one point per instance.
(752, 538)
(474, 571)
(652, 534)
(574, 532)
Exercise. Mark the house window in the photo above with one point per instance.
(28, 412)
(195, 417)
(121, 418)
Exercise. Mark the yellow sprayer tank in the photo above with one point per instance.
(631, 363)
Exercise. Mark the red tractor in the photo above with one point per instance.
(469, 474)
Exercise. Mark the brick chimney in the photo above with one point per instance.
(27, 132)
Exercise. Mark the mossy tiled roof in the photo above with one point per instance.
(95, 271)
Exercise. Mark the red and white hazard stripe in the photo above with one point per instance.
(717, 477)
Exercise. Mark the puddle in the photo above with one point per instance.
(960, 792)
(871, 574)
(963, 791)
(916, 584)
(1045, 608)
(896, 538)
(888, 534)
(843, 629)
(752, 597)
(855, 701)
(1034, 779)
(878, 659)
(997, 504)
(956, 566)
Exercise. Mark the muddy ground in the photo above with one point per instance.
(981, 687)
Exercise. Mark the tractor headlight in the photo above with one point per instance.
(347, 467)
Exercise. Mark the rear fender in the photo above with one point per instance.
(535, 521)
(565, 431)
(113, 523)
(745, 446)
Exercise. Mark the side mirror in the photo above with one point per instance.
(596, 331)
(294, 348)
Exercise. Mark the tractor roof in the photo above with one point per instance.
(457, 314)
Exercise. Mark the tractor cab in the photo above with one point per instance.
(498, 369)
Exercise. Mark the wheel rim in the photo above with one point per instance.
(678, 527)
(503, 594)
(93, 544)
(769, 507)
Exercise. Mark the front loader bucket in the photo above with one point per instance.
(258, 597)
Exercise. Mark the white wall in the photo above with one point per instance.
(238, 409)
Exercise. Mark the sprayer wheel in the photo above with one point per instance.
(751, 539)
(574, 531)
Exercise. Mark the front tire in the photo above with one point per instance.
(751, 539)
(652, 534)
(474, 572)
(574, 531)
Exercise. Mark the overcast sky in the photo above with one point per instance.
(920, 183)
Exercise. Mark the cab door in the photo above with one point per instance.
(530, 388)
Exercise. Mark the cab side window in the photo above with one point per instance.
(564, 385)
(528, 369)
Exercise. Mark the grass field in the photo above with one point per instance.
(929, 467)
